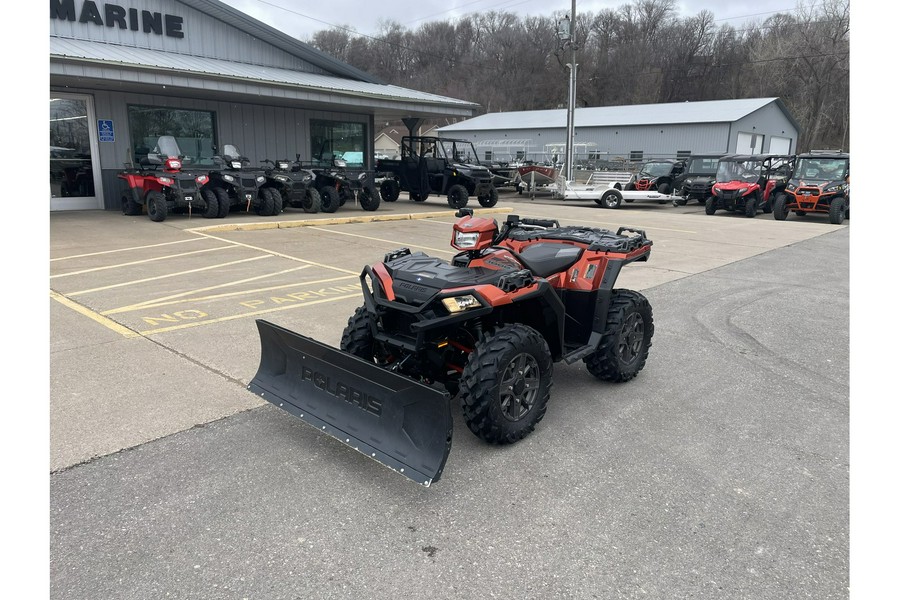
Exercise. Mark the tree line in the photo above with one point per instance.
(642, 52)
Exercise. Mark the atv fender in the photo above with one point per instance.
(393, 419)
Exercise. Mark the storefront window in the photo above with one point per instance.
(194, 130)
(336, 139)
(71, 171)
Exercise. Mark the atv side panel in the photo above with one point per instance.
(401, 423)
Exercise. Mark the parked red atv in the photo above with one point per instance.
(486, 327)
(162, 186)
(746, 183)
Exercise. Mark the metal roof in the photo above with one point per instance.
(712, 111)
(66, 49)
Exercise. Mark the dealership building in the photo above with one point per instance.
(124, 74)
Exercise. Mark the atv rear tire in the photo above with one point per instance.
(779, 210)
(331, 201)
(664, 188)
(129, 206)
(836, 211)
(212, 203)
(224, 199)
(390, 190)
(505, 386)
(156, 206)
(370, 200)
(312, 201)
(626, 342)
(457, 196)
(490, 199)
(711, 205)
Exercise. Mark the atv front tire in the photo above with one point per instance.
(312, 202)
(836, 211)
(357, 338)
(212, 203)
(265, 203)
(331, 201)
(711, 205)
(224, 202)
(505, 385)
(370, 200)
(750, 206)
(626, 342)
(457, 196)
(156, 206)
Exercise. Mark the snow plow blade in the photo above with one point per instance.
(401, 423)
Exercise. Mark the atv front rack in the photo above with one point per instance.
(596, 239)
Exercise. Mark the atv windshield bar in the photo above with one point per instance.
(167, 147)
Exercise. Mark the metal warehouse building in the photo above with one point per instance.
(123, 74)
(634, 133)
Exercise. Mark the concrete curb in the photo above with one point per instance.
(339, 220)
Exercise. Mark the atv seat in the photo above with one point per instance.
(546, 258)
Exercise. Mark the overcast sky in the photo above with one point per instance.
(302, 19)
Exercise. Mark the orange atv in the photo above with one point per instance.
(486, 327)
(820, 184)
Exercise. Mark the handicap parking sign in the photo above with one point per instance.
(105, 130)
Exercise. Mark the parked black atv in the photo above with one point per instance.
(432, 165)
(487, 326)
(163, 186)
(235, 186)
(820, 184)
(699, 176)
(663, 176)
(294, 185)
(336, 183)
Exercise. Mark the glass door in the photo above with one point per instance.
(74, 170)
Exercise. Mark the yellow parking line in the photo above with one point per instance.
(168, 275)
(137, 262)
(156, 304)
(118, 250)
(108, 323)
(246, 315)
(164, 300)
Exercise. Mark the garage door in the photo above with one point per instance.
(749, 143)
(779, 145)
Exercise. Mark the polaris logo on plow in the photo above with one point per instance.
(341, 390)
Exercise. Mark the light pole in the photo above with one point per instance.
(567, 37)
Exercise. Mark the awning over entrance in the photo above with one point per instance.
(111, 66)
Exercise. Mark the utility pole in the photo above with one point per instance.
(567, 37)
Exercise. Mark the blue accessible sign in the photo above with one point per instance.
(106, 131)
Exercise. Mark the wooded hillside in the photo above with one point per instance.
(639, 53)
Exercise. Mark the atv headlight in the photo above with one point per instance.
(166, 180)
(460, 303)
(466, 240)
(742, 191)
(235, 164)
(307, 178)
(282, 178)
(791, 187)
(362, 176)
(201, 179)
(284, 165)
(228, 178)
(260, 179)
(838, 187)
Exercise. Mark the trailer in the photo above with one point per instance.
(611, 195)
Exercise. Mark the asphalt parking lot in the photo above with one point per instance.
(721, 471)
